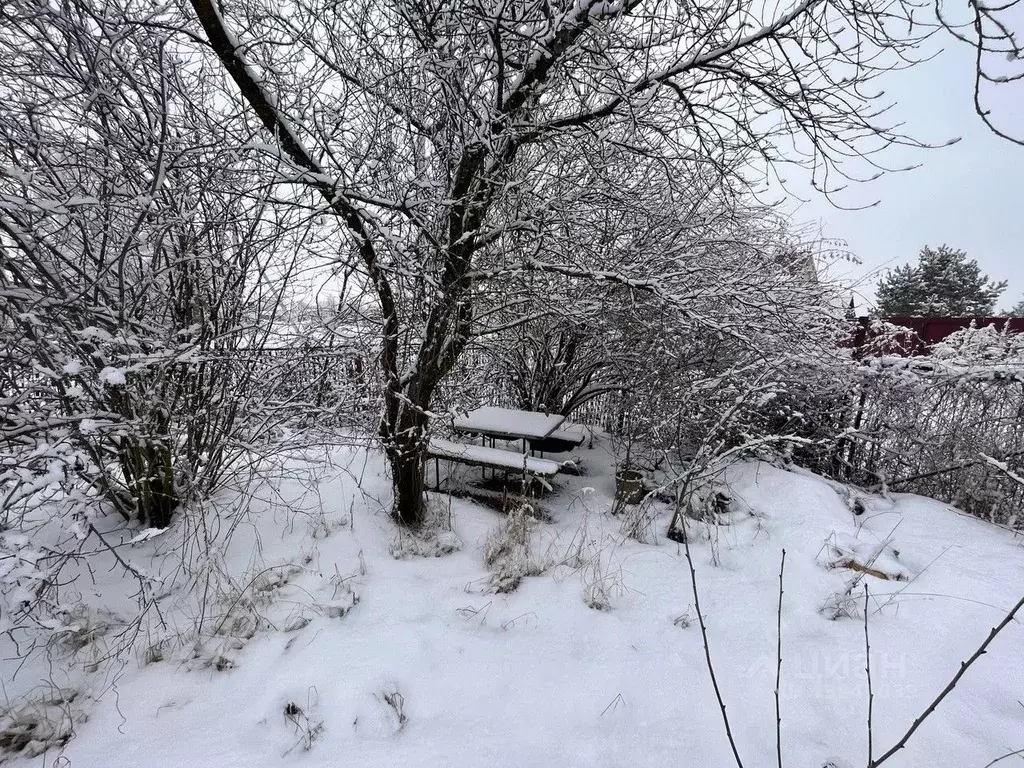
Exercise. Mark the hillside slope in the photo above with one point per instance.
(364, 648)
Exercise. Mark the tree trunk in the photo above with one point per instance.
(407, 479)
(405, 444)
(405, 423)
(148, 482)
(160, 503)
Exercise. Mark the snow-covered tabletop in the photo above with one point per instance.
(508, 423)
(574, 434)
(491, 457)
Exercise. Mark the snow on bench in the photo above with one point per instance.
(494, 458)
(508, 423)
(572, 434)
(559, 441)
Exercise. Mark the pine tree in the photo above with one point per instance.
(1017, 310)
(943, 283)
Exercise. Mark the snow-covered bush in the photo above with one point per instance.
(760, 374)
(555, 365)
(973, 346)
(932, 424)
(129, 267)
(142, 265)
(509, 551)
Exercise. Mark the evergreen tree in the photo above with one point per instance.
(1017, 310)
(943, 283)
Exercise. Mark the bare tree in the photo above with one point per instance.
(426, 128)
(993, 31)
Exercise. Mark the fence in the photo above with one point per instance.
(921, 333)
(928, 432)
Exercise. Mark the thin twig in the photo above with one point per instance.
(707, 648)
(964, 666)
(951, 468)
(867, 669)
(1007, 756)
(778, 668)
(244, 590)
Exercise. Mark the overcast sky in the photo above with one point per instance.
(968, 196)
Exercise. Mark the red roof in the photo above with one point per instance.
(926, 331)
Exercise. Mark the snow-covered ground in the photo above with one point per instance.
(353, 644)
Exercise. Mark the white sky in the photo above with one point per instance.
(968, 196)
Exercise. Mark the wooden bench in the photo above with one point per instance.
(491, 458)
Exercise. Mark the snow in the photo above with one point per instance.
(371, 659)
(146, 534)
(571, 434)
(492, 457)
(92, 333)
(112, 377)
(490, 420)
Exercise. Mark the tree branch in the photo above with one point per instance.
(964, 666)
(704, 636)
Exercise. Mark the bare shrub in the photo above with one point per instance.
(38, 724)
(638, 520)
(921, 424)
(143, 265)
(508, 550)
(305, 722)
(602, 583)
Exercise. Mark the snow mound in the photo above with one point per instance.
(358, 653)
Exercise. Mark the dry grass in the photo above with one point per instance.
(38, 725)
(509, 551)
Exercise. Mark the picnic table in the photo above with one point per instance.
(559, 441)
(508, 423)
(542, 431)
